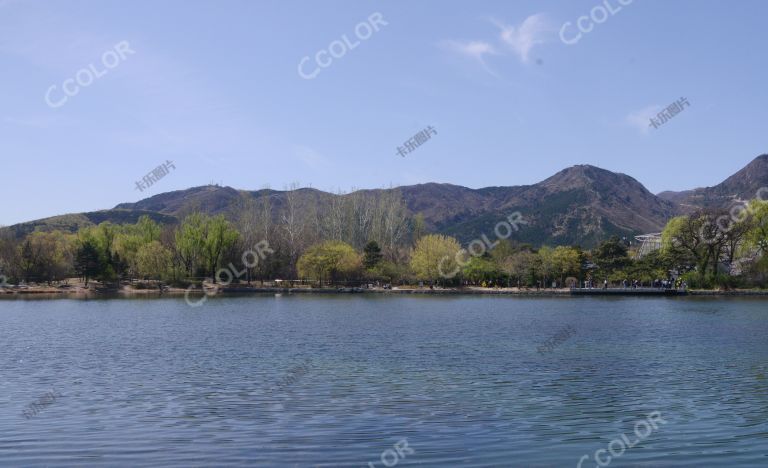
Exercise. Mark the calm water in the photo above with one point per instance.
(337, 381)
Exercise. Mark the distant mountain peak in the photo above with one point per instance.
(587, 176)
(589, 171)
(743, 185)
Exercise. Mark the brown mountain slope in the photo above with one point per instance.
(579, 205)
(741, 186)
(582, 204)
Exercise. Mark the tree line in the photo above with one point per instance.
(369, 237)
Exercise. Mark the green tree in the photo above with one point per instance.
(89, 261)
(548, 268)
(434, 256)
(757, 236)
(190, 242)
(419, 227)
(45, 256)
(503, 250)
(30, 264)
(611, 255)
(524, 267)
(566, 261)
(131, 238)
(372, 255)
(146, 229)
(202, 240)
(482, 269)
(653, 266)
(695, 240)
(219, 236)
(153, 260)
(102, 238)
(329, 260)
(387, 271)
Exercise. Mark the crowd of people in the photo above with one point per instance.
(636, 284)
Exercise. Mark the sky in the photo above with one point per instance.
(98, 94)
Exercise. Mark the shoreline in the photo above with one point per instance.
(79, 292)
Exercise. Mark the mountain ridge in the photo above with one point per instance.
(741, 186)
(582, 204)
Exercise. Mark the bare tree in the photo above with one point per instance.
(292, 225)
(395, 225)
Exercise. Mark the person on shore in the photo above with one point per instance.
(605, 284)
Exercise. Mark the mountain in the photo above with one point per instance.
(741, 186)
(580, 205)
(73, 222)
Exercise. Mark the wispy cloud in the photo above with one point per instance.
(519, 40)
(309, 156)
(641, 119)
(523, 38)
(476, 50)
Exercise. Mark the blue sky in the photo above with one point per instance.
(214, 87)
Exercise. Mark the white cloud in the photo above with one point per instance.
(476, 50)
(521, 39)
(641, 119)
(309, 156)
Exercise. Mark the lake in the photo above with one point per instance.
(379, 380)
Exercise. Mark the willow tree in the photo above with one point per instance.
(435, 256)
(329, 260)
(566, 262)
(686, 239)
(202, 240)
(132, 238)
(45, 256)
(757, 236)
(153, 260)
